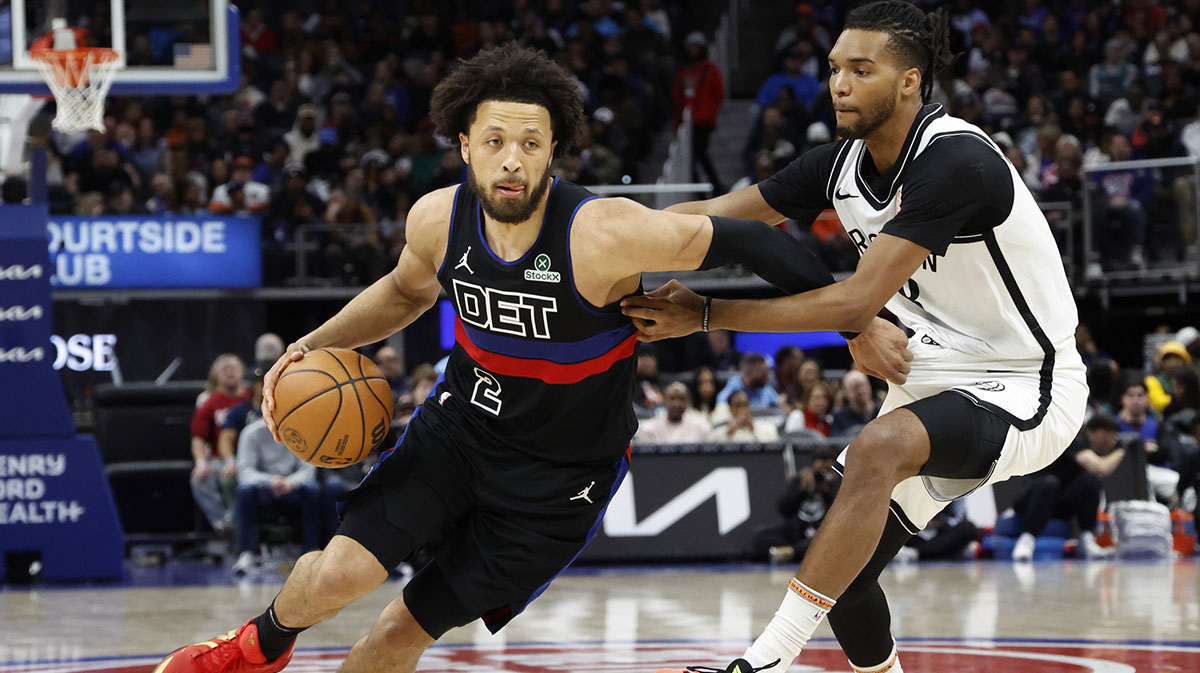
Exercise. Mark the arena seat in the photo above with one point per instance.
(144, 421)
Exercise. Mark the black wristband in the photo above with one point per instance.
(707, 308)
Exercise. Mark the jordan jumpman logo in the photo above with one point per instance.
(462, 263)
(583, 495)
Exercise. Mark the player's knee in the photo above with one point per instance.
(870, 456)
(397, 636)
(341, 578)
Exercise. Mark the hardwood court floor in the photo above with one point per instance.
(1108, 617)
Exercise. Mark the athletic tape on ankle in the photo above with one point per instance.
(820, 600)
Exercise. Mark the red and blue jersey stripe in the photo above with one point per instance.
(561, 362)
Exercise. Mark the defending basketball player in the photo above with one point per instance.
(515, 454)
(951, 242)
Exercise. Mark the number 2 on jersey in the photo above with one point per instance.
(486, 395)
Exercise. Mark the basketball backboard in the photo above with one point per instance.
(165, 47)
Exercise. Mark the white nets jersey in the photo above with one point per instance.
(993, 285)
(992, 314)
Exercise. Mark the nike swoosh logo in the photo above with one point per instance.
(841, 196)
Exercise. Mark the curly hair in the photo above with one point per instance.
(513, 73)
(917, 39)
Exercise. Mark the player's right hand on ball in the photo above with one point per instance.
(293, 353)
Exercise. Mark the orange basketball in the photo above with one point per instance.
(332, 407)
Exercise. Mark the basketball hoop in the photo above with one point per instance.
(79, 79)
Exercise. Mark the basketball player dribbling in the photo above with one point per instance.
(952, 242)
(513, 457)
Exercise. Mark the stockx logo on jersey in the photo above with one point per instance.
(541, 272)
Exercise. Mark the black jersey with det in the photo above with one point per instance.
(535, 368)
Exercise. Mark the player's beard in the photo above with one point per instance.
(871, 118)
(507, 210)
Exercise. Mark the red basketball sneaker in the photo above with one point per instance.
(235, 652)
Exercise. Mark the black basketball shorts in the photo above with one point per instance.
(508, 524)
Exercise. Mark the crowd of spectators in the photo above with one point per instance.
(328, 131)
(758, 398)
(1059, 85)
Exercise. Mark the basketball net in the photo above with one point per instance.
(79, 77)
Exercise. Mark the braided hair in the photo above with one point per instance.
(917, 39)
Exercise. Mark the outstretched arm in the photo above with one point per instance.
(634, 239)
(849, 305)
(631, 239)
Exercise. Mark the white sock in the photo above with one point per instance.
(791, 627)
(890, 665)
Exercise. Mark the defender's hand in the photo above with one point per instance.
(672, 310)
(882, 351)
(294, 352)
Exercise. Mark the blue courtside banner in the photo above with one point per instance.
(55, 502)
(155, 252)
(31, 396)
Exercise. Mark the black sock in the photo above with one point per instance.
(274, 638)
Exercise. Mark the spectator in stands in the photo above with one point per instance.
(391, 363)
(860, 406)
(1189, 472)
(422, 381)
(241, 195)
(1127, 113)
(705, 389)
(276, 115)
(946, 536)
(678, 424)
(303, 139)
(724, 353)
(267, 349)
(808, 375)
(1134, 416)
(269, 171)
(1068, 187)
(1126, 191)
(807, 25)
(271, 476)
(212, 493)
(812, 412)
(1070, 488)
(1185, 395)
(236, 419)
(698, 86)
(1170, 356)
(1101, 377)
(121, 201)
(353, 248)
(805, 86)
(787, 364)
(1190, 136)
(742, 426)
(647, 393)
(775, 135)
(755, 381)
(1111, 78)
(802, 505)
